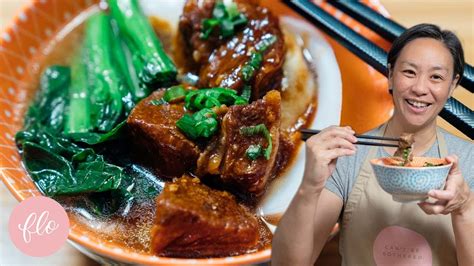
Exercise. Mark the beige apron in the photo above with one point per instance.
(379, 231)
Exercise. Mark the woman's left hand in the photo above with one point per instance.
(455, 196)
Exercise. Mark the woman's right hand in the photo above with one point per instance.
(322, 151)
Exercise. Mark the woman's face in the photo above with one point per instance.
(422, 81)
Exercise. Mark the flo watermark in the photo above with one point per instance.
(38, 226)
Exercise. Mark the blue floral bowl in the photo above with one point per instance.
(410, 183)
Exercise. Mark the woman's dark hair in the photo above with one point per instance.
(448, 38)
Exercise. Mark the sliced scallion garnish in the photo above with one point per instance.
(259, 129)
(253, 152)
(174, 93)
(225, 20)
(157, 102)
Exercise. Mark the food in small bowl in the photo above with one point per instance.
(411, 181)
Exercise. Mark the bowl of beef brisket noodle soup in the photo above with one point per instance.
(168, 130)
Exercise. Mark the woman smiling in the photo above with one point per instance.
(425, 65)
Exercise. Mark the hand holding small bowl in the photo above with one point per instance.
(455, 196)
(411, 183)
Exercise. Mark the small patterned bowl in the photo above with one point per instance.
(411, 183)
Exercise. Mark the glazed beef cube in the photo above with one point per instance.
(226, 155)
(195, 48)
(405, 145)
(157, 138)
(220, 61)
(224, 67)
(286, 148)
(192, 220)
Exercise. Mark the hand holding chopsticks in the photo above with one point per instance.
(307, 133)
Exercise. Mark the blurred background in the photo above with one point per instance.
(455, 15)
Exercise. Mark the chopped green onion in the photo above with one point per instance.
(174, 93)
(263, 45)
(259, 129)
(204, 114)
(406, 152)
(187, 125)
(249, 68)
(200, 124)
(206, 122)
(256, 58)
(232, 10)
(253, 152)
(252, 130)
(226, 18)
(208, 98)
(246, 93)
(208, 26)
(227, 28)
(157, 102)
(219, 11)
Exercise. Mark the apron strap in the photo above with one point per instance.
(442, 147)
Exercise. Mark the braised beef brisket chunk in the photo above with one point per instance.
(286, 147)
(227, 156)
(196, 49)
(193, 220)
(405, 147)
(156, 136)
(220, 61)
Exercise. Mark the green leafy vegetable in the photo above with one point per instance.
(138, 185)
(93, 138)
(78, 117)
(50, 107)
(154, 67)
(122, 60)
(104, 82)
(259, 129)
(55, 175)
(76, 107)
(225, 20)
